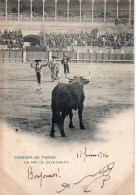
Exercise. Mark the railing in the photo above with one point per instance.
(60, 19)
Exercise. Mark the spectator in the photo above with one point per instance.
(13, 39)
(60, 41)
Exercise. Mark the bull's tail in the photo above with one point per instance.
(55, 106)
(56, 117)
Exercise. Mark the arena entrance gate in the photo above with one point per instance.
(33, 40)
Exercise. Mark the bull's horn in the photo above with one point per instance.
(88, 77)
(69, 78)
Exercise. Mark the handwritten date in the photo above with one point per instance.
(84, 154)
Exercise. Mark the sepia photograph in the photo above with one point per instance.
(67, 97)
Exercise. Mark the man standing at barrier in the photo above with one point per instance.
(54, 67)
(65, 61)
(38, 69)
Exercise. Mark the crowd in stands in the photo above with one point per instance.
(60, 41)
(13, 39)
(63, 41)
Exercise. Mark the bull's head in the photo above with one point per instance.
(80, 79)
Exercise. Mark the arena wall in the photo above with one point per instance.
(23, 56)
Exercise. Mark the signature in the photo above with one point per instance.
(84, 154)
(103, 174)
(41, 176)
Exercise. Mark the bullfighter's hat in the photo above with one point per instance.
(38, 60)
(54, 57)
(65, 55)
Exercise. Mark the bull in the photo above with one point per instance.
(65, 98)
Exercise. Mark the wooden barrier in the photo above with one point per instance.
(24, 56)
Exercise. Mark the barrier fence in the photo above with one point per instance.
(11, 55)
(24, 56)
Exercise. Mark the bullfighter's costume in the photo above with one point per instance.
(65, 61)
(54, 66)
(38, 69)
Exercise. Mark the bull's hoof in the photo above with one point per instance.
(52, 135)
(63, 135)
(82, 127)
(71, 126)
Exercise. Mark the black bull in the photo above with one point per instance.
(66, 97)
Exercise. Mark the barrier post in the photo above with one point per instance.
(89, 56)
(49, 56)
(15, 55)
(9, 55)
(57, 54)
(77, 55)
(3, 55)
(24, 55)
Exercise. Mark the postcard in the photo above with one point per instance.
(67, 97)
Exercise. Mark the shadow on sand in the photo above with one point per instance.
(40, 125)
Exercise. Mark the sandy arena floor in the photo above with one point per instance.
(110, 91)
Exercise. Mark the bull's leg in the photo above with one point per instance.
(80, 109)
(52, 128)
(70, 117)
(62, 118)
